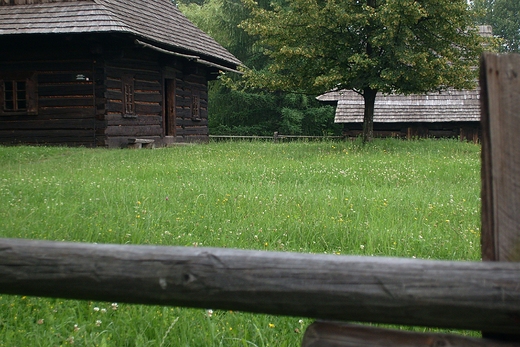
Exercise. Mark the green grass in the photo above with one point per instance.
(389, 198)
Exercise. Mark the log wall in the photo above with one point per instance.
(146, 120)
(103, 93)
(191, 128)
(65, 104)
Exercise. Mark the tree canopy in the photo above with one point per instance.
(504, 17)
(252, 112)
(369, 46)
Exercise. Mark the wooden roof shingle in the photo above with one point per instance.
(158, 22)
(448, 106)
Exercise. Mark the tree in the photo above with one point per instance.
(504, 17)
(369, 46)
(251, 112)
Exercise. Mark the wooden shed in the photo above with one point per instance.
(104, 73)
(452, 113)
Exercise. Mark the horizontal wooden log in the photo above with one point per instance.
(186, 102)
(151, 96)
(114, 105)
(72, 89)
(334, 334)
(113, 83)
(123, 130)
(46, 67)
(61, 77)
(117, 119)
(465, 295)
(39, 124)
(148, 109)
(34, 135)
(148, 85)
(60, 141)
(182, 113)
(148, 97)
(78, 101)
(140, 71)
(195, 130)
(187, 122)
(66, 112)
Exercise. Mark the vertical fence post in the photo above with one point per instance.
(500, 120)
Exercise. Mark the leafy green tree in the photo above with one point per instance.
(504, 17)
(220, 20)
(252, 112)
(369, 46)
(235, 112)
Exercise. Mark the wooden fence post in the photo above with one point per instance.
(500, 110)
(500, 98)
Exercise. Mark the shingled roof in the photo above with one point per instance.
(449, 106)
(156, 22)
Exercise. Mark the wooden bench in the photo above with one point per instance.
(141, 143)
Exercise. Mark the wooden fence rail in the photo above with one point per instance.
(336, 334)
(276, 137)
(465, 295)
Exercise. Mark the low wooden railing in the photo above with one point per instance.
(463, 295)
(466, 295)
(275, 138)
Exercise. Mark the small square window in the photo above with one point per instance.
(15, 96)
(18, 95)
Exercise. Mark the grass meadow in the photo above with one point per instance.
(414, 199)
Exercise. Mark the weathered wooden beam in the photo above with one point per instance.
(465, 295)
(334, 334)
(500, 102)
(500, 98)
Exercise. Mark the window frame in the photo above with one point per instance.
(128, 96)
(195, 106)
(31, 95)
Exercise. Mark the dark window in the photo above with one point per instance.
(18, 94)
(129, 99)
(195, 107)
(128, 96)
(15, 96)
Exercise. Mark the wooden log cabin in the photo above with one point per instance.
(104, 73)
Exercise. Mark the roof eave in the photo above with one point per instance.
(195, 58)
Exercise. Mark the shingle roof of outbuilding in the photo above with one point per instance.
(157, 21)
(448, 106)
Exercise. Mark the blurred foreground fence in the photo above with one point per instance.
(481, 296)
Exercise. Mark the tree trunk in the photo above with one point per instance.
(369, 95)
